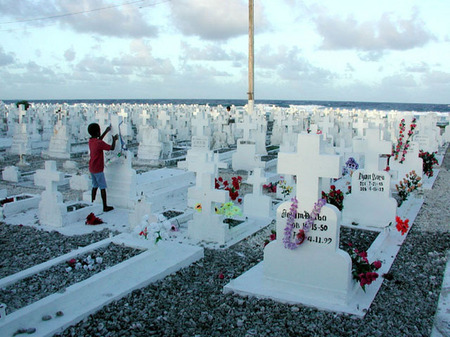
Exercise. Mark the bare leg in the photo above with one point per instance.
(106, 208)
(94, 193)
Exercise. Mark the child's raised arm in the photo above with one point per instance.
(106, 131)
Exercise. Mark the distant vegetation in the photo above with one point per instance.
(26, 103)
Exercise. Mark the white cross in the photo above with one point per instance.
(145, 117)
(163, 118)
(372, 147)
(247, 125)
(309, 165)
(200, 123)
(326, 124)
(49, 177)
(123, 115)
(360, 125)
(257, 179)
(209, 195)
(205, 164)
(289, 123)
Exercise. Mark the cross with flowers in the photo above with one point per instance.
(372, 147)
(309, 164)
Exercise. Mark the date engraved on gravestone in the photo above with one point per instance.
(370, 182)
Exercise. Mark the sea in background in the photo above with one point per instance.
(415, 107)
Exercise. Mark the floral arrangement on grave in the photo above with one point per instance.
(6, 201)
(363, 271)
(272, 237)
(90, 262)
(408, 185)
(270, 187)
(350, 166)
(403, 144)
(402, 225)
(91, 219)
(429, 160)
(229, 210)
(285, 188)
(334, 197)
(291, 240)
(233, 188)
(155, 231)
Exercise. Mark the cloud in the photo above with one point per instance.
(20, 10)
(399, 81)
(420, 67)
(371, 56)
(139, 62)
(5, 58)
(69, 55)
(123, 21)
(388, 33)
(289, 65)
(214, 19)
(210, 52)
(437, 78)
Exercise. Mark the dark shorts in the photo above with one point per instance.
(98, 180)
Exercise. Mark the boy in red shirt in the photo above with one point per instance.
(97, 161)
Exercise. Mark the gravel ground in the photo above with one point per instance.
(57, 278)
(191, 303)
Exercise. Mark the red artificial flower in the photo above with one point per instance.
(333, 187)
(235, 184)
(220, 179)
(301, 236)
(402, 225)
(91, 219)
(239, 200)
(273, 236)
(221, 276)
(377, 264)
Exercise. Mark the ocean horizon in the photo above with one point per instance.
(384, 106)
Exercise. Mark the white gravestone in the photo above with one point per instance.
(412, 162)
(371, 187)
(207, 225)
(150, 145)
(11, 173)
(256, 204)
(317, 268)
(121, 181)
(372, 147)
(51, 207)
(207, 163)
(59, 146)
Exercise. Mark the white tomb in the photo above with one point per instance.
(257, 204)
(51, 206)
(317, 272)
(371, 188)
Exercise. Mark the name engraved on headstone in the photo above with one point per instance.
(200, 142)
(370, 182)
(318, 234)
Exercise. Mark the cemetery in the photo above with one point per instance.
(292, 221)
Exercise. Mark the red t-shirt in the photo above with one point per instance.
(97, 160)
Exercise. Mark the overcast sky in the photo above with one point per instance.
(348, 50)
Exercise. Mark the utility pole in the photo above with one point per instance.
(251, 54)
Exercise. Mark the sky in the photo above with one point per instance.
(348, 50)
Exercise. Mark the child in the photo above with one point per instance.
(97, 161)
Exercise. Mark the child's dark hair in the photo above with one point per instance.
(94, 129)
